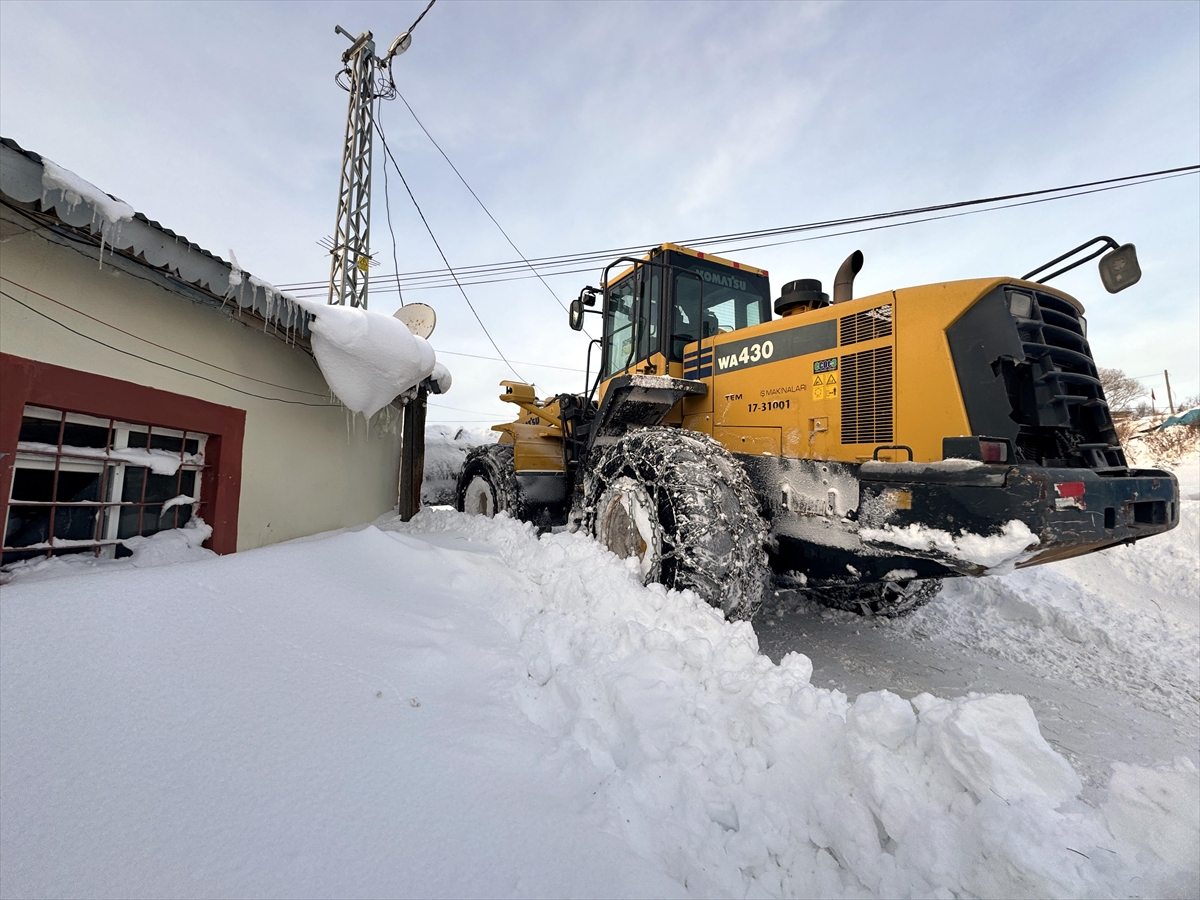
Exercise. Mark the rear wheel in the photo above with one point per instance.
(889, 599)
(488, 484)
(679, 503)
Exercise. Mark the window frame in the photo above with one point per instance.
(110, 506)
(34, 383)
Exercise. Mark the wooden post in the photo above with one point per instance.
(1170, 399)
(412, 455)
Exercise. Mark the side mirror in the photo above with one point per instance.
(575, 314)
(1120, 269)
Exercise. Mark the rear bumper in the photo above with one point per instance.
(1071, 511)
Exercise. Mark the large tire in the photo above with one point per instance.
(890, 599)
(679, 503)
(488, 484)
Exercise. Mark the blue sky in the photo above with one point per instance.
(586, 126)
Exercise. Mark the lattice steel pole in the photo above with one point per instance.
(352, 237)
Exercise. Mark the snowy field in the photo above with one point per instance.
(455, 707)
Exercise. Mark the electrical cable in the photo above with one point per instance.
(561, 261)
(433, 238)
(969, 212)
(155, 362)
(488, 212)
(387, 201)
(66, 235)
(435, 286)
(159, 346)
(520, 362)
(477, 412)
(421, 16)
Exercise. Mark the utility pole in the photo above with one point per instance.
(351, 250)
(367, 78)
(1170, 399)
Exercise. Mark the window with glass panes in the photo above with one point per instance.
(87, 484)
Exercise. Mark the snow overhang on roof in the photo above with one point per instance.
(29, 179)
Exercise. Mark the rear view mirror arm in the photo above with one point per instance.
(1109, 244)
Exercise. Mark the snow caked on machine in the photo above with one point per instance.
(857, 449)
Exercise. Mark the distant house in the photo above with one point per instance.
(144, 381)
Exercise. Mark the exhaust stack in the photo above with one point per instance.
(843, 282)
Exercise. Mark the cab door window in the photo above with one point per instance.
(632, 314)
(618, 326)
(648, 340)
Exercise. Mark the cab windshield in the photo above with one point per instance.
(704, 299)
(712, 299)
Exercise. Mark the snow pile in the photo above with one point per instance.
(739, 777)
(457, 707)
(367, 358)
(175, 545)
(107, 213)
(997, 553)
(1157, 810)
(1121, 618)
(446, 447)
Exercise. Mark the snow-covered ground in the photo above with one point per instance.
(455, 707)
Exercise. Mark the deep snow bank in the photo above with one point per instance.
(741, 777)
(1127, 617)
(457, 707)
(164, 548)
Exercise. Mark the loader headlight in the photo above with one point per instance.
(1020, 305)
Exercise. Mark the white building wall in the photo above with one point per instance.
(305, 469)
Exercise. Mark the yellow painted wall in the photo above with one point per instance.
(304, 469)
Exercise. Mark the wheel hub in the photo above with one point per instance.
(627, 524)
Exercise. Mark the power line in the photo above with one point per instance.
(152, 343)
(433, 238)
(387, 199)
(819, 237)
(421, 16)
(519, 362)
(153, 362)
(969, 212)
(487, 211)
(431, 277)
(477, 412)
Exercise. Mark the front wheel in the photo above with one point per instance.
(681, 505)
(487, 484)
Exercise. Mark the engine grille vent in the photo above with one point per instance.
(1055, 392)
(867, 395)
(867, 325)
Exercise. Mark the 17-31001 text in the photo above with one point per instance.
(768, 405)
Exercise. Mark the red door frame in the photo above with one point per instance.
(29, 382)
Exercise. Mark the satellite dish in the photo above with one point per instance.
(420, 319)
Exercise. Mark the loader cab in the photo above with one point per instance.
(671, 298)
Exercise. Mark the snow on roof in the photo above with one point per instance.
(29, 178)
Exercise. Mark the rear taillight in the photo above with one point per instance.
(993, 451)
(983, 449)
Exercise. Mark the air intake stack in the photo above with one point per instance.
(800, 296)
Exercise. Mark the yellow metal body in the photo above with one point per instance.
(794, 406)
(885, 377)
(536, 435)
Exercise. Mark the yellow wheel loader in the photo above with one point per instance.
(857, 449)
